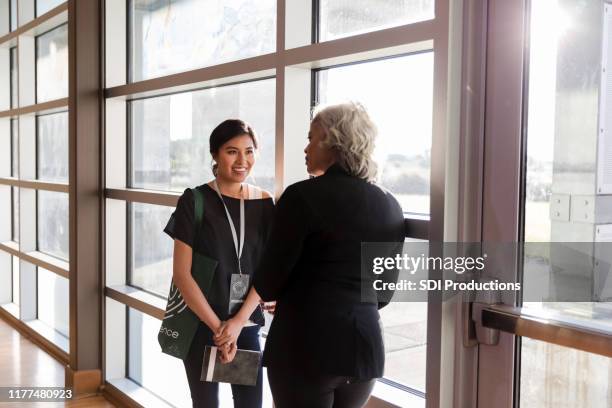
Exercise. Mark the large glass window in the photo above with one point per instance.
(169, 135)
(14, 78)
(52, 225)
(52, 147)
(42, 6)
(150, 249)
(400, 103)
(53, 300)
(342, 18)
(52, 64)
(177, 35)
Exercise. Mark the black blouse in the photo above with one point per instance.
(326, 318)
(215, 239)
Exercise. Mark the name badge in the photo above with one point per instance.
(239, 287)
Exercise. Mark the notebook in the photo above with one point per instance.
(242, 370)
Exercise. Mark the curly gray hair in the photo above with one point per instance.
(351, 133)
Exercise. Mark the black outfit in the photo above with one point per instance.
(312, 267)
(215, 240)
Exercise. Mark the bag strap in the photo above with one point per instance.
(198, 210)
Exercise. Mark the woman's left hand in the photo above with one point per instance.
(228, 332)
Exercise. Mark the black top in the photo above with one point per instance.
(311, 266)
(215, 239)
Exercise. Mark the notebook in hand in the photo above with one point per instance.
(242, 370)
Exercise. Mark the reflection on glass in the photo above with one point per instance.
(150, 248)
(52, 64)
(168, 36)
(159, 373)
(14, 78)
(15, 222)
(14, 148)
(42, 6)
(169, 134)
(53, 300)
(342, 18)
(52, 139)
(561, 377)
(52, 223)
(15, 279)
(398, 94)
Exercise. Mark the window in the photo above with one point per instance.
(343, 18)
(52, 65)
(53, 301)
(42, 6)
(14, 79)
(52, 225)
(52, 142)
(400, 103)
(169, 134)
(150, 249)
(169, 36)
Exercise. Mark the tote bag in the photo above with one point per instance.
(180, 323)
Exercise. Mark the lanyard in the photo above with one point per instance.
(237, 246)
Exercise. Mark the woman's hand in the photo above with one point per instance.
(228, 332)
(228, 352)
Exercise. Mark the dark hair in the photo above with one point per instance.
(226, 131)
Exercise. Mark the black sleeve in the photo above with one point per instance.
(284, 246)
(181, 223)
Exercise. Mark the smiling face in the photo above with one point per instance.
(235, 159)
(318, 156)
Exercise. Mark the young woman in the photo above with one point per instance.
(234, 227)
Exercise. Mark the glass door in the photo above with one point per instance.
(556, 337)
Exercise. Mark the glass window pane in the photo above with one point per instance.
(13, 21)
(52, 147)
(53, 300)
(14, 78)
(342, 18)
(405, 330)
(42, 6)
(555, 376)
(15, 222)
(52, 223)
(14, 148)
(169, 36)
(150, 248)
(52, 64)
(15, 279)
(400, 102)
(561, 174)
(159, 373)
(169, 134)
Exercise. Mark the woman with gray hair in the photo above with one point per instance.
(325, 346)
